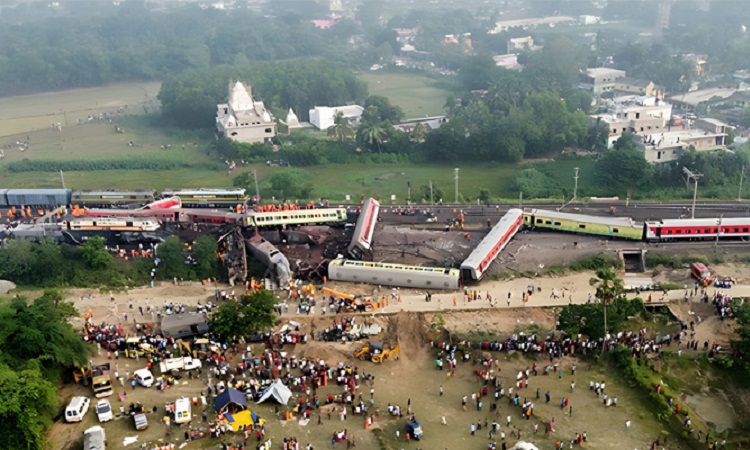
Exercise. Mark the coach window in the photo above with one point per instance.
(549, 222)
(558, 224)
(581, 226)
(539, 221)
(707, 230)
(428, 283)
(736, 230)
(615, 230)
(744, 230)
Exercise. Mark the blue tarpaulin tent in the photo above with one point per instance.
(231, 400)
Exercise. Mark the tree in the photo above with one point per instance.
(173, 262)
(204, 254)
(94, 254)
(341, 130)
(383, 109)
(250, 314)
(535, 184)
(292, 183)
(418, 133)
(40, 330)
(28, 401)
(608, 285)
(622, 169)
(372, 134)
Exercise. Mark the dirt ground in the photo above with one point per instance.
(415, 377)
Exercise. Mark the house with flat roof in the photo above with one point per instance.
(638, 115)
(673, 143)
(321, 117)
(599, 80)
(640, 87)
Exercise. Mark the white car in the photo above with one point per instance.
(104, 411)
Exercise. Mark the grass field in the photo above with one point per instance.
(23, 114)
(417, 95)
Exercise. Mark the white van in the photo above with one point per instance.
(77, 409)
(144, 377)
(182, 413)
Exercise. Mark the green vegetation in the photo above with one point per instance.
(670, 261)
(248, 315)
(588, 318)
(85, 165)
(175, 263)
(594, 263)
(37, 343)
(51, 264)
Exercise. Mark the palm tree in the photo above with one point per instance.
(608, 287)
(341, 130)
(372, 133)
(419, 132)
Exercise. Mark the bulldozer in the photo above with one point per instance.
(376, 352)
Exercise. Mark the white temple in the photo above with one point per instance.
(242, 118)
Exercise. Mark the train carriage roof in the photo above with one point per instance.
(598, 220)
(712, 222)
(114, 192)
(492, 238)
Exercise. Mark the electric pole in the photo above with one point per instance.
(718, 232)
(432, 200)
(408, 192)
(257, 191)
(742, 177)
(62, 178)
(692, 176)
(455, 177)
(575, 186)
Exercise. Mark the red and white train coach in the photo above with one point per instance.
(363, 231)
(697, 229)
(480, 259)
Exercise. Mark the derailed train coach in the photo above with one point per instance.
(389, 274)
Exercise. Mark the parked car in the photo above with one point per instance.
(104, 411)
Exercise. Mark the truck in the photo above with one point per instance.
(94, 438)
(101, 381)
(184, 363)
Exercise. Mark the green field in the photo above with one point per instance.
(26, 113)
(417, 95)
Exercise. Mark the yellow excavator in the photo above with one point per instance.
(376, 352)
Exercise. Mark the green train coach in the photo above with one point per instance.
(611, 227)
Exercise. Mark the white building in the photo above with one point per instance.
(243, 119)
(641, 115)
(321, 117)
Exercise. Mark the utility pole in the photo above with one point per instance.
(257, 191)
(455, 177)
(575, 186)
(408, 192)
(742, 177)
(718, 232)
(432, 200)
(520, 200)
(62, 178)
(692, 176)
